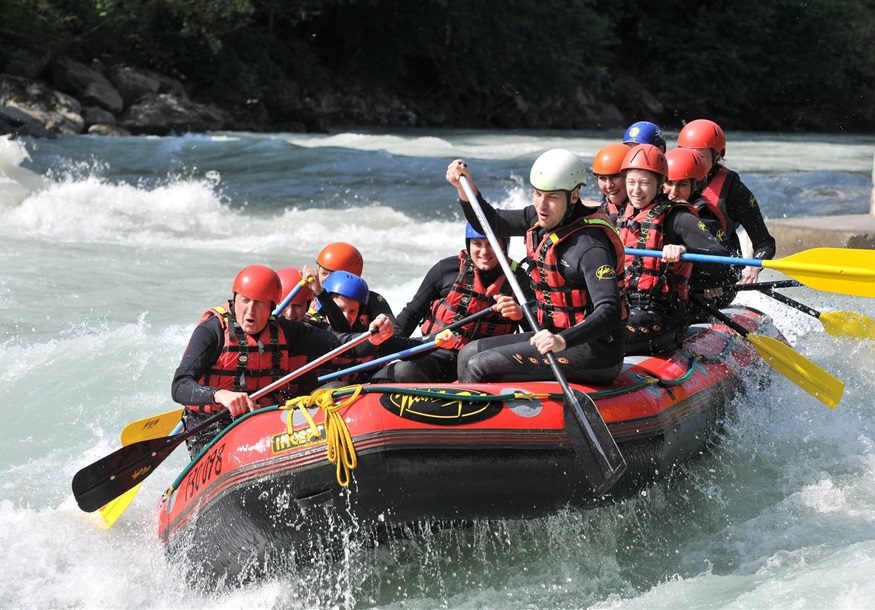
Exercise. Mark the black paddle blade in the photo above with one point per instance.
(595, 449)
(111, 476)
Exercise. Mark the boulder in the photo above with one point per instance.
(103, 95)
(56, 111)
(165, 113)
(74, 77)
(94, 115)
(132, 83)
(103, 129)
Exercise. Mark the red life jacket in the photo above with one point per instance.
(468, 296)
(711, 206)
(241, 367)
(649, 279)
(613, 211)
(560, 305)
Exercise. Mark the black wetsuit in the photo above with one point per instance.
(331, 312)
(203, 351)
(438, 365)
(594, 352)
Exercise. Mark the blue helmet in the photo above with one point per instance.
(471, 233)
(346, 284)
(644, 132)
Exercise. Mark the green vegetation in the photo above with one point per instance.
(750, 64)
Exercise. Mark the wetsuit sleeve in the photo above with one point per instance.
(525, 282)
(333, 313)
(606, 315)
(200, 354)
(419, 306)
(504, 223)
(377, 304)
(685, 228)
(743, 209)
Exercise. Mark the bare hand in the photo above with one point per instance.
(384, 329)
(545, 341)
(749, 275)
(237, 403)
(447, 339)
(672, 253)
(455, 170)
(507, 307)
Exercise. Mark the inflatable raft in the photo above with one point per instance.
(443, 453)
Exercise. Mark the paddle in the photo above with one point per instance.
(835, 323)
(153, 426)
(111, 476)
(292, 294)
(787, 361)
(842, 270)
(592, 441)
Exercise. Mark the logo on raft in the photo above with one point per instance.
(453, 410)
(280, 443)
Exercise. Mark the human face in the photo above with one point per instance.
(323, 273)
(295, 311)
(678, 189)
(348, 306)
(708, 156)
(551, 206)
(613, 187)
(250, 314)
(482, 254)
(641, 187)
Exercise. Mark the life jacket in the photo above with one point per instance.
(468, 296)
(711, 206)
(316, 315)
(559, 304)
(648, 279)
(243, 367)
(611, 210)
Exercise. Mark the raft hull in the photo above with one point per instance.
(260, 492)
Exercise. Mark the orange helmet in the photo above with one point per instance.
(289, 278)
(259, 283)
(685, 164)
(646, 157)
(341, 256)
(703, 133)
(609, 160)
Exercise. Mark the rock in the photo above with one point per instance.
(94, 115)
(165, 113)
(74, 77)
(132, 83)
(103, 129)
(105, 96)
(652, 105)
(28, 63)
(54, 110)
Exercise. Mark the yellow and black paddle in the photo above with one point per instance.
(835, 323)
(794, 366)
(841, 270)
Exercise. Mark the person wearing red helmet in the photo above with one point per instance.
(290, 277)
(576, 272)
(726, 203)
(240, 347)
(657, 289)
(341, 256)
(606, 168)
(455, 288)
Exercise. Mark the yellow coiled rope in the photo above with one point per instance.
(340, 449)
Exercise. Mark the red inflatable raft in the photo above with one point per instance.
(440, 452)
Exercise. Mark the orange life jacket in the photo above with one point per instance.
(560, 305)
(243, 367)
(649, 279)
(711, 206)
(468, 296)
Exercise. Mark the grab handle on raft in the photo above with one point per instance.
(593, 444)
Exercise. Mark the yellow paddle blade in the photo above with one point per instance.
(148, 428)
(842, 270)
(800, 370)
(847, 324)
(113, 509)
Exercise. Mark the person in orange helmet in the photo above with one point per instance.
(606, 168)
(290, 277)
(240, 347)
(726, 203)
(657, 290)
(341, 256)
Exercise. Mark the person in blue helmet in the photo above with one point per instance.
(455, 288)
(350, 294)
(644, 132)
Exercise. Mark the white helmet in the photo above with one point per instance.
(558, 169)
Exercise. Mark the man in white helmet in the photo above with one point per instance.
(576, 267)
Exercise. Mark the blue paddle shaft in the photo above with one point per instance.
(285, 302)
(410, 351)
(702, 258)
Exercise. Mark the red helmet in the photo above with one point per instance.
(259, 283)
(609, 160)
(289, 278)
(703, 133)
(685, 164)
(646, 157)
(341, 256)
